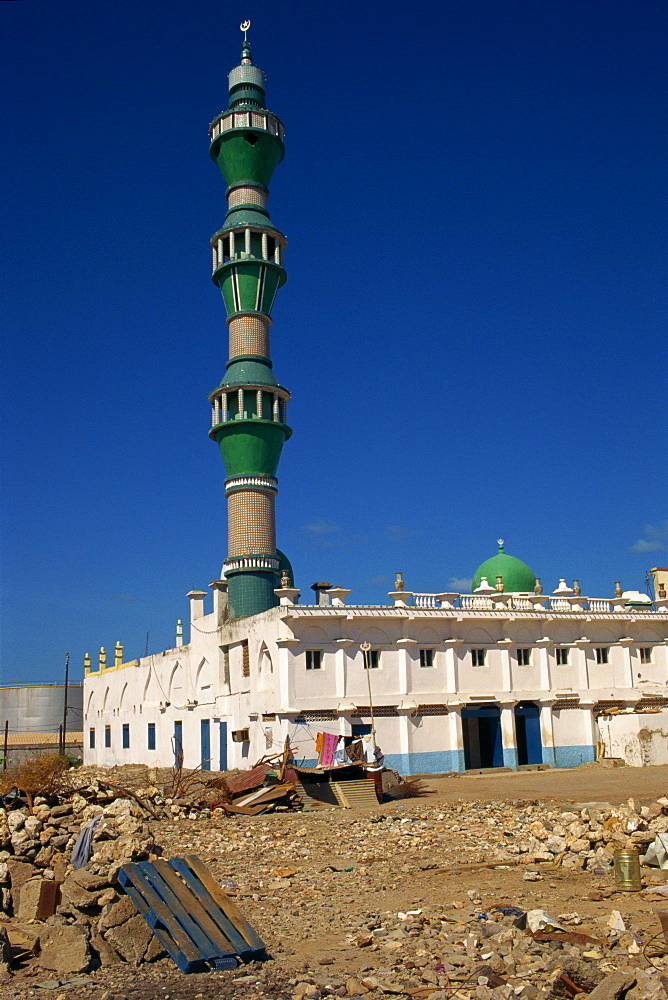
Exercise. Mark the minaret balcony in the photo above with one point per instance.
(250, 119)
(240, 564)
(247, 243)
(248, 402)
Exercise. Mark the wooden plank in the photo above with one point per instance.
(267, 794)
(205, 947)
(228, 906)
(145, 898)
(198, 908)
(234, 938)
(229, 807)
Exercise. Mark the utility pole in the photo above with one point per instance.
(4, 752)
(365, 647)
(64, 727)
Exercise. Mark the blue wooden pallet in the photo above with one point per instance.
(194, 920)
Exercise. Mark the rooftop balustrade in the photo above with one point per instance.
(246, 119)
(514, 602)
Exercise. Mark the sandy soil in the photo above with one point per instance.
(307, 920)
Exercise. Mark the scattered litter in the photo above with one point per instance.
(539, 920)
(616, 922)
(657, 852)
(56, 984)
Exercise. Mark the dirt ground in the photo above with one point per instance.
(588, 783)
(349, 870)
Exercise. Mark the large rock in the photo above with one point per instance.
(90, 881)
(16, 820)
(19, 873)
(131, 939)
(106, 954)
(25, 936)
(76, 895)
(33, 827)
(29, 899)
(5, 955)
(65, 949)
(117, 913)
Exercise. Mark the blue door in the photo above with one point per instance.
(205, 744)
(223, 746)
(527, 731)
(482, 737)
(178, 744)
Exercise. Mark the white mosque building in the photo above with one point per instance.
(503, 676)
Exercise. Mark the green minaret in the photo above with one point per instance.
(249, 405)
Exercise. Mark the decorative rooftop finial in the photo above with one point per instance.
(499, 542)
(245, 51)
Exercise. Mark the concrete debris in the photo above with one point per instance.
(346, 882)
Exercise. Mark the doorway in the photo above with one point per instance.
(178, 744)
(527, 733)
(481, 726)
(205, 744)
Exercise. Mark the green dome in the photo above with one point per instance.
(517, 577)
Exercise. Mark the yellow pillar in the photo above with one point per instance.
(118, 655)
(86, 664)
(103, 658)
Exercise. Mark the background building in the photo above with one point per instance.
(33, 714)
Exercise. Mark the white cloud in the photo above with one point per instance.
(395, 531)
(321, 527)
(460, 584)
(654, 538)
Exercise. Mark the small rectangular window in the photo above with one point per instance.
(373, 659)
(524, 657)
(313, 659)
(150, 736)
(602, 654)
(245, 660)
(91, 738)
(478, 657)
(646, 654)
(107, 736)
(562, 656)
(426, 657)
(126, 735)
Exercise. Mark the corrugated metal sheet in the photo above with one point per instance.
(40, 739)
(247, 780)
(356, 794)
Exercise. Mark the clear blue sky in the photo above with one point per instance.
(473, 326)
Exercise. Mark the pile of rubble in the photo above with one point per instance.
(585, 838)
(71, 917)
(437, 953)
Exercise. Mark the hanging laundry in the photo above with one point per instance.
(318, 743)
(340, 752)
(329, 743)
(355, 751)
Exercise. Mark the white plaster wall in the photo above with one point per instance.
(429, 733)
(569, 727)
(640, 740)
(190, 683)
